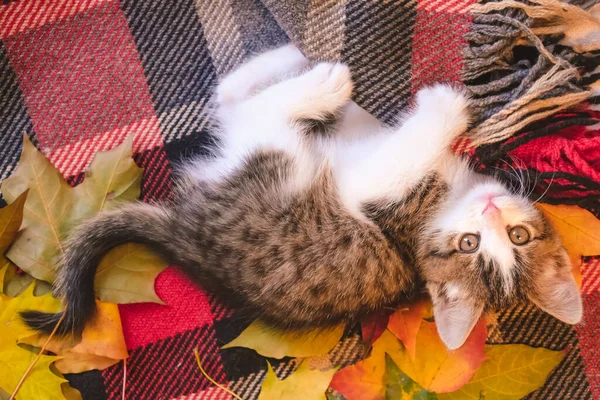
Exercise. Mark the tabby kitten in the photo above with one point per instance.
(312, 227)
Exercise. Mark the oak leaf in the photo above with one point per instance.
(511, 371)
(303, 384)
(270, 342)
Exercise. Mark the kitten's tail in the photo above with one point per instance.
(87, 245)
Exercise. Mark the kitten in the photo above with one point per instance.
(312, 227)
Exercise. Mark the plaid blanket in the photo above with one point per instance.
(80, 75)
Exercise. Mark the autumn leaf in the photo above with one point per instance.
(438, 369)
(47, 205)
(579, 230)
(111, 178)
(373, 327)
(102, 343)
(12, 283)
(122, 269)
(405, 324)
(275, 343)
(11, 325)
(53, 208)
(365, 379)
(302, 384)
(510, 372)
(70, 393)
(11, 217)
(41, 382)
(398, 385)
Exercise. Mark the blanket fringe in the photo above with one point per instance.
(528, 60)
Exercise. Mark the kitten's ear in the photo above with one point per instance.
(454, 318)
(556, 292)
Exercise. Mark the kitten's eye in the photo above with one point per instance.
(469, 243)
(518, 235)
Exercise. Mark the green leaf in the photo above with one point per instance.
(510, 372)
(302, 384)
(274, 343)
(127, 273)
(398, 385)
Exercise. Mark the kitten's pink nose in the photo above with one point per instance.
(490, 208)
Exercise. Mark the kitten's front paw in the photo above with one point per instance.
(447, 103)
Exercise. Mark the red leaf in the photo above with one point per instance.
(365, 379)
(405, 324)
(438, 369)
(373, 326)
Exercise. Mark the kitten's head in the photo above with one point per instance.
(487, 248)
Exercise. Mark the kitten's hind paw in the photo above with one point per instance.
(328, 87)
(446, 103)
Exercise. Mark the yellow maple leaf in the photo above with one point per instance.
(579, 230)
(102, 343)
(42, 383)
(270, 342)
(301, 384)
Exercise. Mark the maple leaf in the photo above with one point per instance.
(301, 384)
(438, 369)
(111, 178)
(12, 283)
(53, 208)
(405, 324)
(132, 262)
(373, 327)
(511, 371)
(11, 216)
(48, 202)
(398, 385)
(270, 342)
(42, 383)
(579, 230)
(365, 379)
(101, 345)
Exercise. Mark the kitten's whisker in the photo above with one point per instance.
(547, 188)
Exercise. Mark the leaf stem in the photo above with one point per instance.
(14, 393)
(211, 379)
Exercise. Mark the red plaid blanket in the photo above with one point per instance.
(80, 75)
